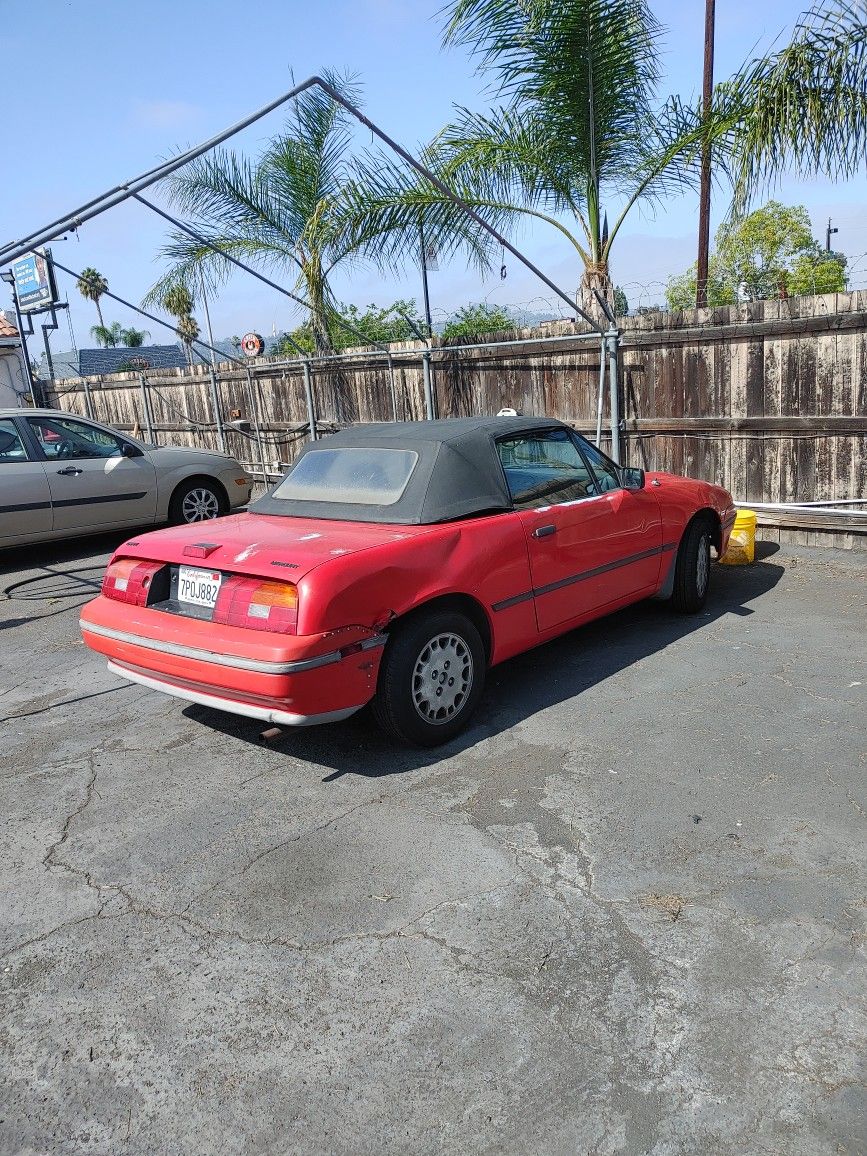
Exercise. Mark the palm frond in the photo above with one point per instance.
(589, 67)
(801, 109)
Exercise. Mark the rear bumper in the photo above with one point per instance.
(232, 706)
(296, 681)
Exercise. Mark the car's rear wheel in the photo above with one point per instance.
(197, 500)
(431, 678)
(692, 569)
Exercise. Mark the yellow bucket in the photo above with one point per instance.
(742, 543)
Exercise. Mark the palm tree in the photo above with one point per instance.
(91, 285)
(802, 108)
(178, 300)
(581, 127)
(297, 208)
(109, 335)
(580, 124)
(134, 338)
(188, 331)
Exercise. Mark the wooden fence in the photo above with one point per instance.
(768, 398)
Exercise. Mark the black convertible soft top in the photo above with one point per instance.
(457, 474)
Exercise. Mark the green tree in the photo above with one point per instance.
(800, 109)
(177, 300)
(134, 338)
(351, 326)
(680, 290)
(188, 331)
(108, 335)
(299, 207)
(476, 320)
(92, 285)
(580, 125)
(769, 253)
(817, 272)
(621, 302)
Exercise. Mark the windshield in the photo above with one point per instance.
(364, 477)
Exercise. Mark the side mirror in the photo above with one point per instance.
(632, 478)
(128, 450)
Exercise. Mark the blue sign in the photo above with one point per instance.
(34, 283)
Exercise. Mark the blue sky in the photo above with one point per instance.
(98, 91)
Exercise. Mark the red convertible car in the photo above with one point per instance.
(395, 564)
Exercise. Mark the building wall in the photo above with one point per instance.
(13, 381)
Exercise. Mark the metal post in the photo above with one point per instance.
(149, 425)
(428, 386)
(308, 392)
(603, 349)
(615, 396)
(701, 271)
(88, 400)
(424, 284)
(254, 413)
(45, 331)
(392, 386)
(215, 406)
(207, 316)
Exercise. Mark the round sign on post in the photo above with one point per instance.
(253, 345)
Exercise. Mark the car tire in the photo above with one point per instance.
(431, 678)
(197, 500)
(692, 568)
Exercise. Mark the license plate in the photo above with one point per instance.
(200, 587)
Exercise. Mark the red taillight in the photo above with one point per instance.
(257, 604)
(129, 579)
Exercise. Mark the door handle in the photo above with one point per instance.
(544, 531)
(70, 471)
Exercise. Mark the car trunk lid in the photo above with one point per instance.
(264, 545)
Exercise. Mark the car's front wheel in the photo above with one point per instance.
(692, 568)
(197, 500)
(431, 678)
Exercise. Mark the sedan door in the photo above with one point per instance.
(93, 483)
(590, 542)
(25, 499)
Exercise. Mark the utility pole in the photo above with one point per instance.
(828, 233)
(704, 191)
(207, 316)
(424, 280)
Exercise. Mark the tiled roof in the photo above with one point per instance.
(7, 329)
(93, 361)
(90, 362)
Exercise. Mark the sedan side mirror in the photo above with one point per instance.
(128, 450)
(632, 478)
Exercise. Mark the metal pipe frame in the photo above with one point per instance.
(120, 193)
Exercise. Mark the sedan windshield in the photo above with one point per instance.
(364, 477)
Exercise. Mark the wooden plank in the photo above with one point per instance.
(798, 520)
(806, 446)
(745, 330)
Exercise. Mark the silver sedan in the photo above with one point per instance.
(62, 476)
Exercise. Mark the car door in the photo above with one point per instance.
(25, 499)
(93, 483)
(589, 545)
(634, 528)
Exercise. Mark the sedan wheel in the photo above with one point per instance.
(197, 501)
(692, 568)
(431, 678)
(442, 679)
